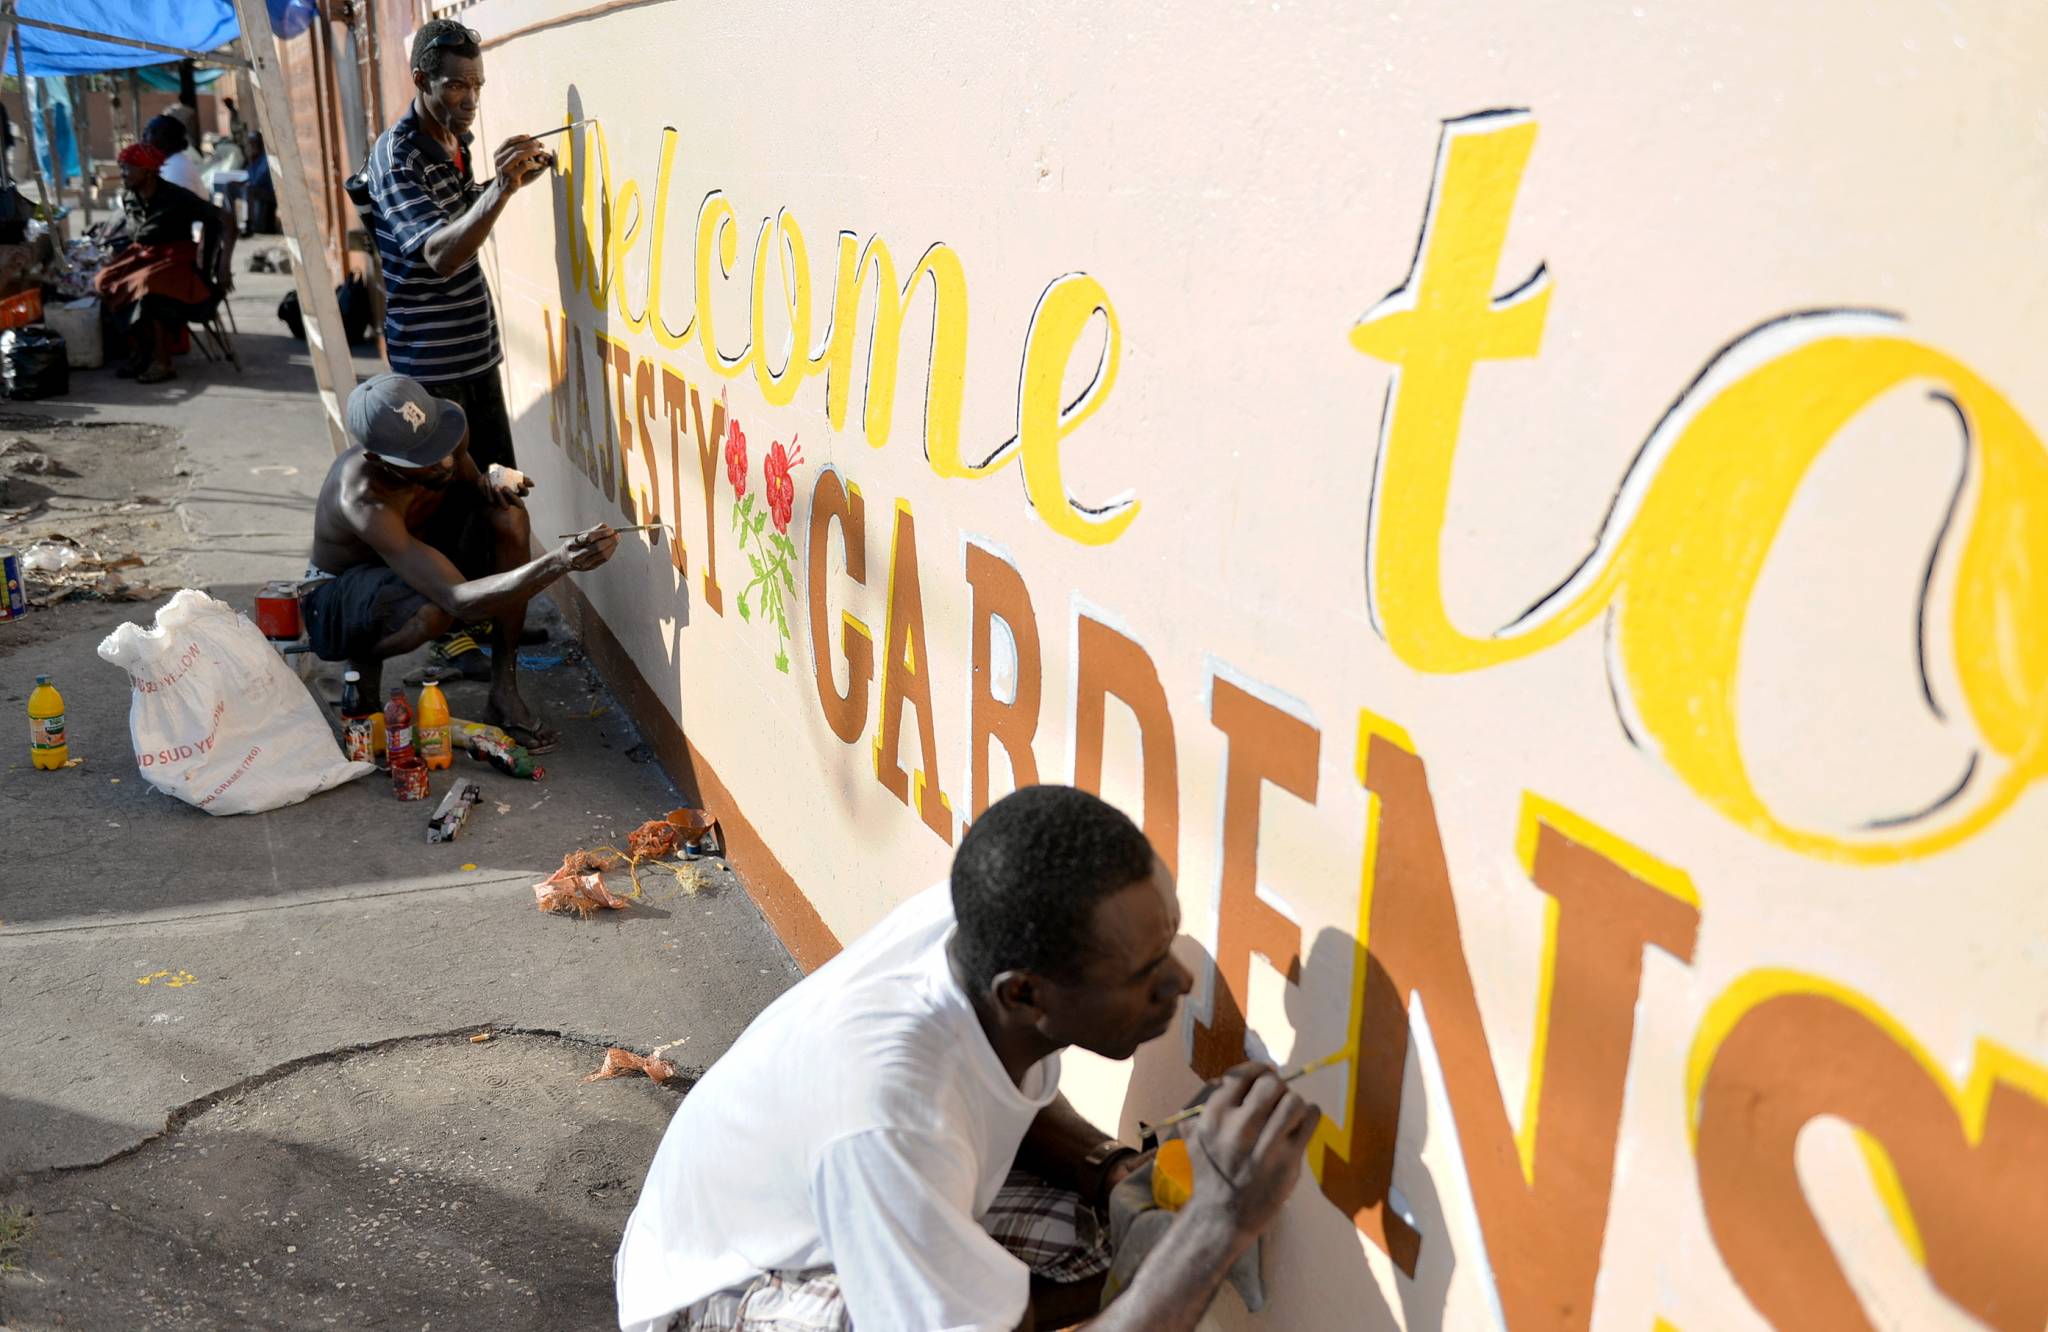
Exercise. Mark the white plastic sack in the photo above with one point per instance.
(218, 720)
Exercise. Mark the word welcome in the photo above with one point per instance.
(604, 225)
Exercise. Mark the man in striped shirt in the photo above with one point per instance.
(429, 218)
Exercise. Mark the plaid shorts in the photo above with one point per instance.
(1054, 1233)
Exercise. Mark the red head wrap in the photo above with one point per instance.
(143, 156)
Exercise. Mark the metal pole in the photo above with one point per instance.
(113, 40)
(81, 137)
(333, 368)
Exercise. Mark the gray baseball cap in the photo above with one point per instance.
(396, 419)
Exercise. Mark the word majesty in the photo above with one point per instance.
(1690, 530)
(604, 225)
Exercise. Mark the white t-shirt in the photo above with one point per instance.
(179, 169)
(862, 1122)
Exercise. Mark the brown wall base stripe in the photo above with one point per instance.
(802, 931)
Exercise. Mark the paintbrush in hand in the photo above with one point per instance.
(1312, 1066)
(641, 527)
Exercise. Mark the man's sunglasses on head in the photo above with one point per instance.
(455, 36)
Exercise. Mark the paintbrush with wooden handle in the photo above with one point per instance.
(1312, 1066)
(641, 527)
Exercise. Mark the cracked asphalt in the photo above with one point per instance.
(238, 1088)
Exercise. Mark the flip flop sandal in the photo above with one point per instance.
(533, 739)
(460, 652)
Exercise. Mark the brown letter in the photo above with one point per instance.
(579, 445)
(1000, 594)
(847, 716)
(675, 403)
(1110, 663)
(707, 461)
(1266, 745)
(1542, 1197)
(559, 405)
(1968, 1173)
(622, 418)
(643, 414)
(906, 676)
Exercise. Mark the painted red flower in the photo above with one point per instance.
(736, 456)
(777, 483)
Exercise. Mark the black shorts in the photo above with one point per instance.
(349, 614)
(482, 400)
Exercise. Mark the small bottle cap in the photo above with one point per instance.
(42, 679)
(351, 675)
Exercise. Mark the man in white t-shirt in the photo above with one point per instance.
(882, 1148)
(168, 135)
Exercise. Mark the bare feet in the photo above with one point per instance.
(509, 712)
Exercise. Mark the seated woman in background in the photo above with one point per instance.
(163, 280)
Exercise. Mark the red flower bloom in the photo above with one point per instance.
(736, 456)
(776, 481)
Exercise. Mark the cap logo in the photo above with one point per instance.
(413, 414)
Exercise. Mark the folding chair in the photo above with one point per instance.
(214, 336)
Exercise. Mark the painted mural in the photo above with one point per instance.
(1603, 685)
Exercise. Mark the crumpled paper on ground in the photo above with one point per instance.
(619, 1063)
(579, 885)
(652, 840)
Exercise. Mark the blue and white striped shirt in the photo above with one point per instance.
(435, 328)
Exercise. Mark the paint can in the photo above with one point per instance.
(13, 596)
(277, 611)
(409, 780)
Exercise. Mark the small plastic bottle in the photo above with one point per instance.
(398, 733)
(356, 712)
(436, 728)
(46, 747)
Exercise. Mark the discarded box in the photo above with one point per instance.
(453, 811)
(79, 323)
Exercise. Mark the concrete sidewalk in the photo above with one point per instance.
(317, 937)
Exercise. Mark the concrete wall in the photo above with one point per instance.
(1562, 583)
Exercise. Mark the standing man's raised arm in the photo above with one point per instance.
(519, 160)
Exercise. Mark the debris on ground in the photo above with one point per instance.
(270, 259)
(652, 840)
(490, 744)
(696, 829)
(20, 457)
(585, 894)
(480, 1038)
(57, 568)
(454, 811)
(619, 1063)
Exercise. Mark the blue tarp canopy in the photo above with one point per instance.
(196, 25)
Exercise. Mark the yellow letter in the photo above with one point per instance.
(1694, 520)
(948, 373)
(795, 265)
(1064, 312)
(717, 243)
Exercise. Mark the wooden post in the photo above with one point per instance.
(332, 366)
(28, 110)
(135, 103)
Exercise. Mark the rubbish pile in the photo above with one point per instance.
(58, 568)
(579, 884)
